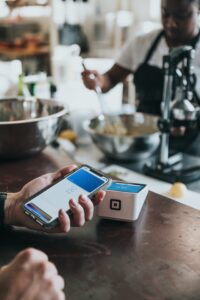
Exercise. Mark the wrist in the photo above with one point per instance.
(10, 208)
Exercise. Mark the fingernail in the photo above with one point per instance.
(83, 199)
(61, 212)
(73, 203)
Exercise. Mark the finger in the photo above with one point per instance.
(46, 269)
(90, 78)
(91, 82)
(4, 268)
(64, 221)
(64, 171)
(61, 295)
(30, 256)
(86, 73)
(98, 198)
(64, 224)
(78, 213)
(55, 282)
(90, 85)
(36, 185)
(56, 295)
(40, 270)
(88, 207)
(45, 288)
(52, 284)
(58, 282)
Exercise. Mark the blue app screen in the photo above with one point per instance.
(87, 181)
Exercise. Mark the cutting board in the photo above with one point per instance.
(190, 198)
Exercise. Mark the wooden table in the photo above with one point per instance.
(155, 258)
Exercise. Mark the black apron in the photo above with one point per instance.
(149, 83)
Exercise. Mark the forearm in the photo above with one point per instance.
(113, 76)
(106, 84)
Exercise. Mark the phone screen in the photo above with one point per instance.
(46, 205)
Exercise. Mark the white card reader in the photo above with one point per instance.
(123, 201)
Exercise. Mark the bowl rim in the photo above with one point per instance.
(64, 111)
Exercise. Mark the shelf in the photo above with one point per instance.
(24, 3)
(9, 53)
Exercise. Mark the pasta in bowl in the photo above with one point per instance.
(125, 137)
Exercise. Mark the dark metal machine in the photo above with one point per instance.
(183, 111)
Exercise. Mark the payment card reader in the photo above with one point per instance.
(123, 201)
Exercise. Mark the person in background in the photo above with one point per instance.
(143, 55)
(30, 276)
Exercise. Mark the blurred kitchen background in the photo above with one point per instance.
(43, 42)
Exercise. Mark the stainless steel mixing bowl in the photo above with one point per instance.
(133, 137)
(27, 126)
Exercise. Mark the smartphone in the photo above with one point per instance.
(44, 206)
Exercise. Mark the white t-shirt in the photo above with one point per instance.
(135, 50)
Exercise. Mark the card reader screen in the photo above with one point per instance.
(126, 187)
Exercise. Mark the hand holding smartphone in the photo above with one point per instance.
(44, 206)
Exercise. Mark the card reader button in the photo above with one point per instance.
(33, 216)
(27, 213)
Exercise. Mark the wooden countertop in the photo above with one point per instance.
(156, 257)
(14, 174)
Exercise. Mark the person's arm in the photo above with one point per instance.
(30, 276)
(91, 78)
(82, 211)
(117, 74)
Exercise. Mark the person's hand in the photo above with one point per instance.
(92, 79)
(30, 276)
(178, 131)
(82, 211)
